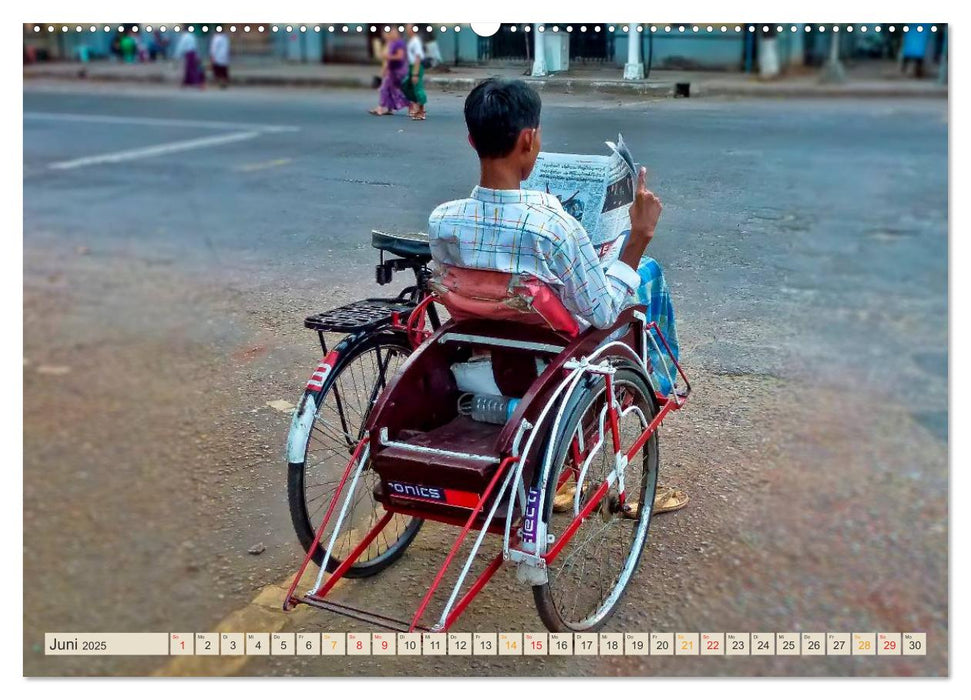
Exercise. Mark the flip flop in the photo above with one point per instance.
(669, 499)
(666, 500)
(563, 500)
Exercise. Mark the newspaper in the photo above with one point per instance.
(595, 190)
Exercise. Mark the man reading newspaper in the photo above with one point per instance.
(505, 228)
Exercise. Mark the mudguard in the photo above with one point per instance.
(303, 417)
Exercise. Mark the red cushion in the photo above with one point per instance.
(519, 298)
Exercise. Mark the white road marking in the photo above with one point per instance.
(56, 370)
(149, 121)
(253, 167)
(149, 151)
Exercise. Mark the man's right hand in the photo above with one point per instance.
(644, 212)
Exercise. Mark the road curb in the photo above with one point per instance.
(564, 85)
(262, 614)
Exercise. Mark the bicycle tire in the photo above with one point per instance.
(544, 595)
(300, 511)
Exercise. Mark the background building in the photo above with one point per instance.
(670, 47)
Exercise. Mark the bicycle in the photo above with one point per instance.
(329, 421)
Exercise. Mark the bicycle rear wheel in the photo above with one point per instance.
(344, 404)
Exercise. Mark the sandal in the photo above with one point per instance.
(666, 499)
(563, 500)
(379, 112)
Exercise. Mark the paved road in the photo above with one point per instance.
(174, 241)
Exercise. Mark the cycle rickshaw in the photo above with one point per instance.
(562, 469)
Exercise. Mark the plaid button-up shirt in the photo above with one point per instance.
(522, 231)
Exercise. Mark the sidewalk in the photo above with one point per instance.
(867, 80)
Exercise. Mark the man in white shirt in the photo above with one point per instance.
(504, 228)
(219, 56)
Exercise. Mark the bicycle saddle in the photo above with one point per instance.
(404, 245)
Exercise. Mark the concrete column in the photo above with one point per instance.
(833, 70)
(942, 69)
(768, 57)
(797, 47)
(539, 52)
(634, 69)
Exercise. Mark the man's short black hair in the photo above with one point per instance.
(496, 111)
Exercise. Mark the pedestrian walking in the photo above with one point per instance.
(127, 47)
(390, 96)
(187, 49)
(141, 47)
(414, 83)
(433, 54)
(157, 46)
(219, 56)
(915, 49)
(115, 47)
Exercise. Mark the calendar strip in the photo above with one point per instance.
(487, 644)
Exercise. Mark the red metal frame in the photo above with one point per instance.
(476, 588)
(687, 384)
(503, 466)
(353, 556)
(598, 496)
(417, 334)
(443, 518)
(415, 327)
(469, 523)
(320, 531)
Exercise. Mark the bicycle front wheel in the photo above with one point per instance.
(344, 404)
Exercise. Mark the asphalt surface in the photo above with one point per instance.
(806, 246)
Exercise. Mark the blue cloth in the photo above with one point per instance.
(915, 43)
(654, 293)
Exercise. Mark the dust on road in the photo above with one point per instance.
(154, 465)
(163, 309)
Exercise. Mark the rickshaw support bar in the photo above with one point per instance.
(503, 466)
(479, 584)
(353, 556)
(567, 535)
(288, 601)
(649, 430)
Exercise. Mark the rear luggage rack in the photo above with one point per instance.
(366, 315)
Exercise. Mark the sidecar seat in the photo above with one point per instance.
(502, 296)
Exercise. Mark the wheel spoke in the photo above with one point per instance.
(584, 579)
(337, 428)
